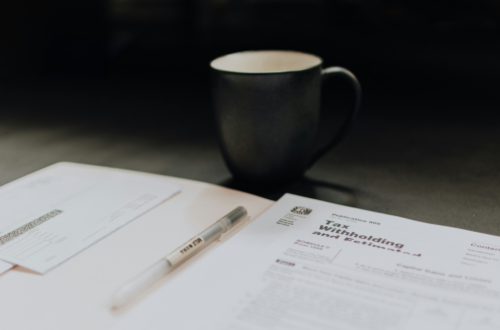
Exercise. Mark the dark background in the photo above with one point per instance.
(125, 83)
(383, 41)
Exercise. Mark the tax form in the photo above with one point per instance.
(51, 215)
(308, 264)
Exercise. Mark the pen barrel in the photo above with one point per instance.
(206, 237)
(141, 282)
(195, 244)
(178, 256)
(212, 233)
(236, 215)
(224, 224)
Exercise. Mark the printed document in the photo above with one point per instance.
(51, 215)
(307, 264)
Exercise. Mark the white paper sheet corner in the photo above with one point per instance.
(5, 266)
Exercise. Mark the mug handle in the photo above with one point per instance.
(339, 71)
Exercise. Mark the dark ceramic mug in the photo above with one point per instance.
(267, 107)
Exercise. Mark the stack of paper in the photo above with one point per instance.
(307, 264)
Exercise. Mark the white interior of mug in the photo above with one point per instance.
(265, 61)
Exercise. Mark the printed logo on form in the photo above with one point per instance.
(301, 210)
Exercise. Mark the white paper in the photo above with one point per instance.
(5, 266)
(51, 215)
(334, 268)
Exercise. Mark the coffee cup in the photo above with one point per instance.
(267, 111)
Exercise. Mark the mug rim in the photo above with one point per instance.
(267, 72)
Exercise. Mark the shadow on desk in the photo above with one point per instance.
(306, 187)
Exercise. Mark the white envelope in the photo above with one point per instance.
(51, 215)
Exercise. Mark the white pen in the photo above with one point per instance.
(178, 256)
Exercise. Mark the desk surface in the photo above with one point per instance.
(419, 156)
